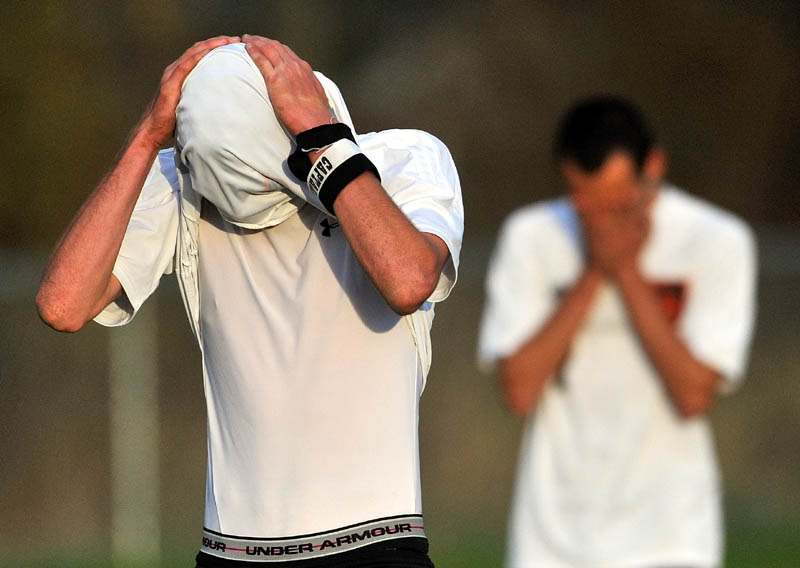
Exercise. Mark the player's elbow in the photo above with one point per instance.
(518, 397)
(413, 287)
(518, 405)
(405, 302)
(698, 399)
(694, 406)
(695, 403)
(55, 314)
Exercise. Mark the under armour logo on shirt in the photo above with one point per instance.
(327, 226)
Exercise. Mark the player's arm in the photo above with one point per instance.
(690, 383)
(403, 262)
(78, 281)
(615, 239)
(524, 373)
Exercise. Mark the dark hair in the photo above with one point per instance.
(595, 127)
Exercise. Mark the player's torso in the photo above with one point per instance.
(312, 382)
(605, 450)
(606, 360)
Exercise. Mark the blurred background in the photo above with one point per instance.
(718, 80)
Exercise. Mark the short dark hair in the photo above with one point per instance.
(595, 127)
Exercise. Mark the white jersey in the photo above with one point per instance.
(609, 474)
(312, 382)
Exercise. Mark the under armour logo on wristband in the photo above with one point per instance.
(327, 226)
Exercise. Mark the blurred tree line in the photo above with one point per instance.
(717, 79)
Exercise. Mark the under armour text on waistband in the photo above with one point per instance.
(315, 545)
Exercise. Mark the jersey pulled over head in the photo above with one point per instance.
(228, 139)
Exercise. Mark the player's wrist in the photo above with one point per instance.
(592, 275)
(314, 154)
(339, 164)
(153, 130)
(338, 161)
(625, 272)
(306, 122)
(146, 138)
(598, 266)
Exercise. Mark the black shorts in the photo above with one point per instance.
(410, 552)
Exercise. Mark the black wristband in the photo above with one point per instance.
(315, 139)
(338, 179)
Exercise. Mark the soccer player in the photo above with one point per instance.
(615, 315)
(310, 294)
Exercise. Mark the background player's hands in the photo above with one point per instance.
(614, 235)
(296, 94)
(158, 121)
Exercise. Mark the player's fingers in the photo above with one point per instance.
(191, 56)
(169, 70)
(269, 48)
(181, 67)
(582, 202)
(186, 64)
(261, 60)
(289, 54)
(261, 41)
(209, 44)
(644, 225)
(199, 49)
(251, 38)
(302, 64)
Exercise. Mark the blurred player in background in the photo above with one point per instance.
(615, 317)
(309, 283)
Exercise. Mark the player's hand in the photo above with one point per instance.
(614, 235)
(296, 94)
(158, 122)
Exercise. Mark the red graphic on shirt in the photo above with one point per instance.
(672, 297)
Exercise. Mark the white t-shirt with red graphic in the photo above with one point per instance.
(609, 474)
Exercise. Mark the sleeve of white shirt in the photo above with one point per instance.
(718, 322)
(148, 249)
(418, 173)
(518, 297)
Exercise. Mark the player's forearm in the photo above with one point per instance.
(525, 373)
(78, 280)
(402, 262)
(690, 383)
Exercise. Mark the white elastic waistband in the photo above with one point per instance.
(311, 545)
